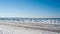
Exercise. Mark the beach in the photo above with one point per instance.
(12, 27)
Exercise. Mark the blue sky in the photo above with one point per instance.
(30, 8)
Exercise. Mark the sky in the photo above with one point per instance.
(30, 8)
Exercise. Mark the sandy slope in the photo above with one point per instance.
(21, 30)
(31, 28)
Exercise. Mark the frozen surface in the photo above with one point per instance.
(20, 30)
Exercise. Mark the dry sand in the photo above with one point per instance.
(26, 28)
